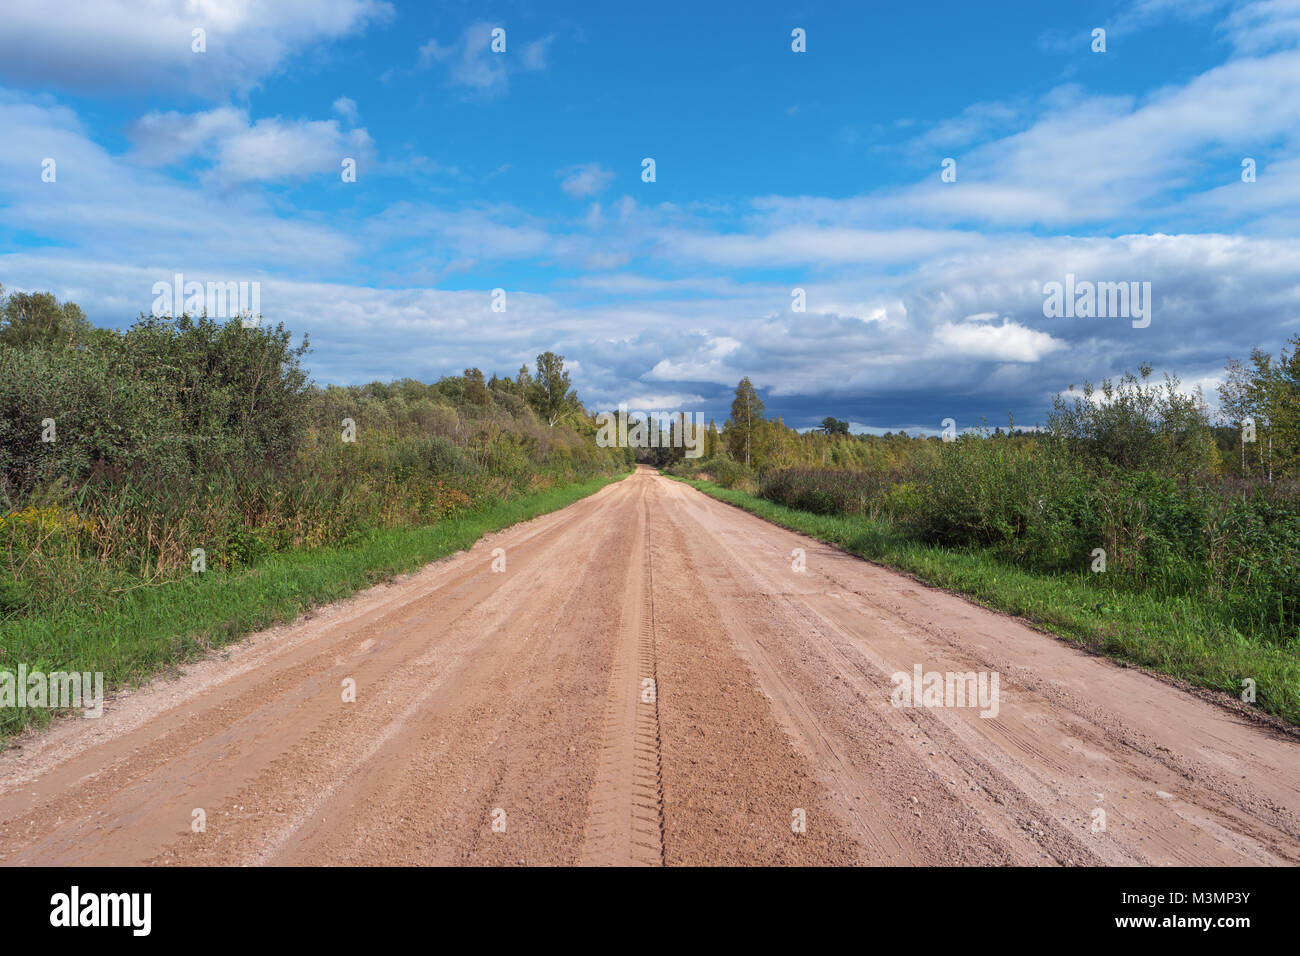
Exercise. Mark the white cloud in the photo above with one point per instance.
(705, 364)
(925, 350)
(346, 107)
(108, 207)
(1263, 26)
(1008, 342)
(535, 54)
(801, 245)
(976, 121)
(471, 62)
(585, 179)
(663, 401)
(99, 45)
(241, 150)
(1076, 160)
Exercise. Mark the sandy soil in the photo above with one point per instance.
(650, 681)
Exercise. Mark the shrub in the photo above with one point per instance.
(996, 492)
(727, 473)
(829, 491)
(1138, 424)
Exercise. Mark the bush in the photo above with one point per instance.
(1137, 424)
(828, 491)
(727, 473)
(996, 492)
(58, 415)
(167, 397)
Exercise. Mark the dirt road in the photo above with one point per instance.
(649, 680)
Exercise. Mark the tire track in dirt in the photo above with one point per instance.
(737, 789)
(625, 823)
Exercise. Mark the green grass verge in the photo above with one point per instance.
(150, 629)
(1184, 636)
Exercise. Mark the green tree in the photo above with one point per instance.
(233, 393)
(680, 433)
(32, 319)
(476, 392)
(834, 426)
(1238, 402)
(1283, 397)
(552, 393)
(712, 441)
(1268, 392)
(742, 426)
(165, 399)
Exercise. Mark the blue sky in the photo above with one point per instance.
(818, 170)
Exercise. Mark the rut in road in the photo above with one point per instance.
(626, 824)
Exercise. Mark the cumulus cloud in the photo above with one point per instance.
(1008, 342)
(706, 364)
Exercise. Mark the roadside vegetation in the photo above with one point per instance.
(1131, 522)
(182, 482)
